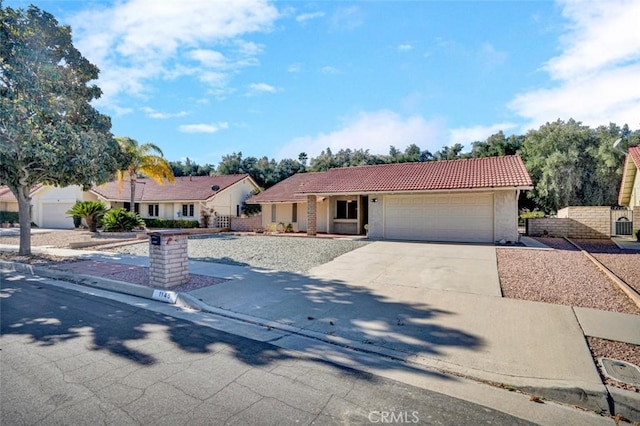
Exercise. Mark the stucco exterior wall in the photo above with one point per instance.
(635, 193)
(48, 197)
(229, 201)
(376, 217)
(505, 216)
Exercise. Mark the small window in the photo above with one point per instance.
(187, 210)
(136, 207)
(273, 213)
(346, 209)
(294, 212)
(154, 210)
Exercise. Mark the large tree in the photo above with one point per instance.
(146, 159)
(573, 165)
(49, 132)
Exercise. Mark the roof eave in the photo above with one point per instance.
(626, 186)
(414, 191)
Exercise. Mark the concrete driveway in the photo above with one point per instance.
(399, 266)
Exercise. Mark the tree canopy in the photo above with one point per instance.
(49, 132)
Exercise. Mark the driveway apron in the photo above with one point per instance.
(397, 266)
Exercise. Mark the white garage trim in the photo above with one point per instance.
(458, 217)
(54, 215)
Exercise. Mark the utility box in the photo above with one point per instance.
(168, 258)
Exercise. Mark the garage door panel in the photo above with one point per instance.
(54, 215)
(441, 217)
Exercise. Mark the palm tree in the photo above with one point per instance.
(146, 159)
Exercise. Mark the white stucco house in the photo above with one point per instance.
(470, 200)
(184, 199)
(629, 194)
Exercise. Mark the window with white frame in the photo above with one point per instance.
(188, 210)
(153, 210)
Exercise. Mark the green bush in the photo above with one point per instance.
(636, 232)
(91, 211)
(121, 220)
(9, 217)
(171, 223)
(528, 215)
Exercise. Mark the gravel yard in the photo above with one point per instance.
(563, 276)
(616, 350)
(281, 253)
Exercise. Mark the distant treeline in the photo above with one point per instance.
(570, 163)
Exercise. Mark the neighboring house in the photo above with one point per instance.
(185, 199)
(49, 204)
(471, 200)
(629, 194)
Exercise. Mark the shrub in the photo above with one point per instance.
(528, 215)
(120, 220)
(171, 223)
(637, 234)
(9, 217)
(90, 211)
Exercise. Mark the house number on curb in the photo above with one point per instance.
(165, 296)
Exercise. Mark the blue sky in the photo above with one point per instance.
(202, 79)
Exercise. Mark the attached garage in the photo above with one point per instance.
(440, 217)
(54, 215)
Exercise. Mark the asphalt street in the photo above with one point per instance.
(73, 358)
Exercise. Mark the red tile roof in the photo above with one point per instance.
(186, 188)
(490, 172)
(6, 195)
(634, 153)
(286, 191)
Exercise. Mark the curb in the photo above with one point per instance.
(599, 399)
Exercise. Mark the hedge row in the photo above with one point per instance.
(171, 223)
(10, 217)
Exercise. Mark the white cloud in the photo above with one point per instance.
(293, 68)
(152, 113)
(208, 58)
(203, 127)
(346, 18)
(375, 131)
(256, 88)
(137, 41)
(304, 17)
(596, 74)
(330, 70)
(491, 56)
(405, 47)
(467, 135)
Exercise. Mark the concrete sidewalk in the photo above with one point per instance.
(536, 347)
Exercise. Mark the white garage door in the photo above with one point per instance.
(54, 215)
(439, 217)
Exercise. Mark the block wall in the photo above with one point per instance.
(246, 224)
(574, 222)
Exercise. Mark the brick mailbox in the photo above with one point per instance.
(168, 258)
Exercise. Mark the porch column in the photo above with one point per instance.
(312, 216)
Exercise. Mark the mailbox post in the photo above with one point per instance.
(168, 258)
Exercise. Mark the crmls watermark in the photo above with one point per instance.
(394, 417)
